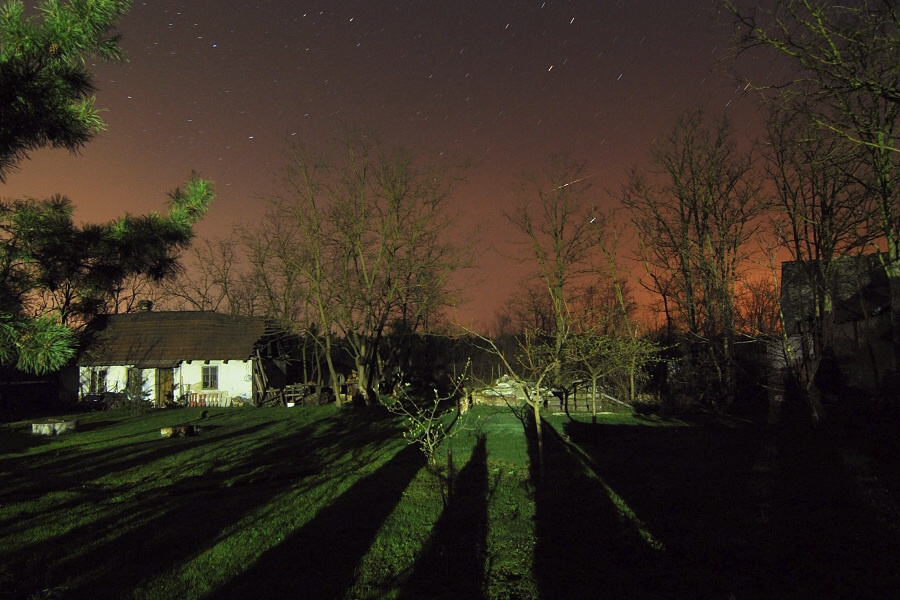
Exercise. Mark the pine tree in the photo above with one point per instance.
(45, 88)
(54, 274)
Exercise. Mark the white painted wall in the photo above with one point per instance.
(116, 379)
(235, 381)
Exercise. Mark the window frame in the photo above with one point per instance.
(209, 377)
(99, 381)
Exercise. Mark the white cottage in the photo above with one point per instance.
(193, 358)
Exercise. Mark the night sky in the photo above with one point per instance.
(219, 86)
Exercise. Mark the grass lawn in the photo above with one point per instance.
(329, 503)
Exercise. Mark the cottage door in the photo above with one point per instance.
(165, 387)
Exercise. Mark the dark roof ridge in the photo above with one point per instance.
(167, 337)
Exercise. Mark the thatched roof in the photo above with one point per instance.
(164, 339)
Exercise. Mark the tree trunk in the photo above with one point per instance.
(536, 406)
(535, 403)
(332, 373)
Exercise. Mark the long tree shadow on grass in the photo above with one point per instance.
(588, 543)
(76, 471)
(451, 563)
(829, 538)
(136, 538)
(106, 553)
(19, 440)
(732, 524)
(319, 559)
(694, 486)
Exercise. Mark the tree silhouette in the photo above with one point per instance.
(56, 274)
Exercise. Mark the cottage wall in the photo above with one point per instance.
(116, 379)
(235, 380)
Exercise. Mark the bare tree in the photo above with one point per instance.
(214, 279)
(822, 208)
(534, 363)
(845, 73)
(303, 235)
(529, 307)
(822, 212)
(561, 234)
(276, 252)
(843, 58)
(616, 360)
(694, 210)
(363, 237)
(607, 343)
(758, 306)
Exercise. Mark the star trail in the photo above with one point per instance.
(220, 88)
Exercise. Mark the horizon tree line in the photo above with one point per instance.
(358, 244)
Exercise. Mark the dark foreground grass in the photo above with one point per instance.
(329, 503)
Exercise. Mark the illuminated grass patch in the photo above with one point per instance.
(333, 502)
